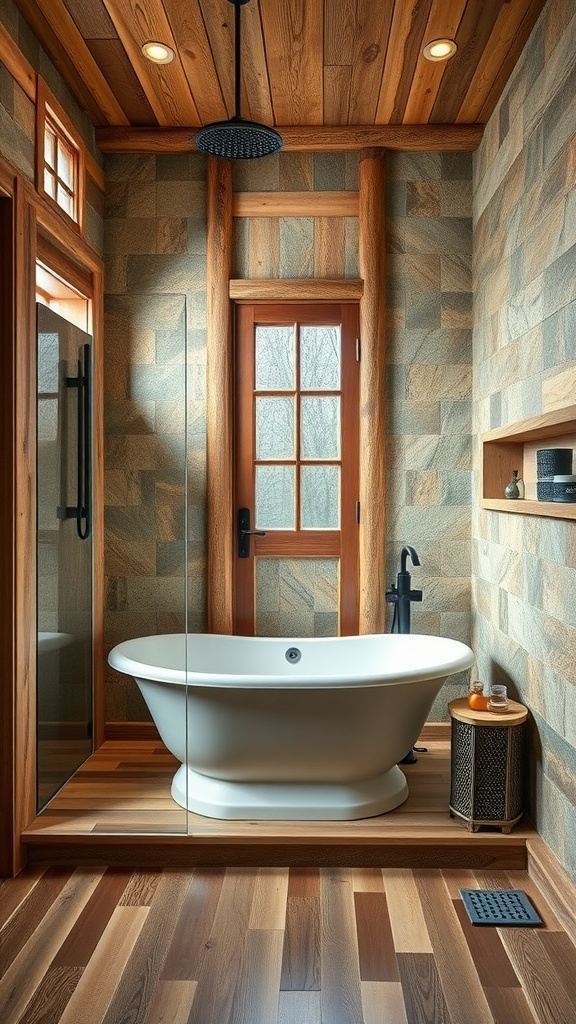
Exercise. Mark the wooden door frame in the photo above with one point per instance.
(17, 525)
(371, 290)
(340, 543)
(20, 222)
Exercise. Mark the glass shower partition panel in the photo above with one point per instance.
(64, 552)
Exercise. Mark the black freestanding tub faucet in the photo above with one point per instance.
(401, 593)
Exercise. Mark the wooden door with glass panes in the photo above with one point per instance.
(296, 469)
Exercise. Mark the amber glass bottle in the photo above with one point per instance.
(476, 699)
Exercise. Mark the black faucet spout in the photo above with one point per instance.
(408, 550)
(401, 594)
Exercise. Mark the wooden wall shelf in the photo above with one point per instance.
(514, 447)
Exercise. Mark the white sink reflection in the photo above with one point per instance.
(53, 641)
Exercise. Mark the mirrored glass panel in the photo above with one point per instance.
(320, 427)
(297, 596)
(319, 501)
(274, 358)
(275, 497)
(320, 358)
(275, 428)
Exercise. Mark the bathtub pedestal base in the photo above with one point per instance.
(271, 801)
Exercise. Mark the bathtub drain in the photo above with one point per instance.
(293, 655)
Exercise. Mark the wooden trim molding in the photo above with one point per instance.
(295, 204)
(7, 528)
(296, 290)
(219, 406)
(98, 584)
(17, 523)
(16, 63)
(371, 255)
(131, 731)
(304, 138)
(554, 882)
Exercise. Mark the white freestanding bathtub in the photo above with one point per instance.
(290, 729)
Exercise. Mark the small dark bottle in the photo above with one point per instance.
(515, 487)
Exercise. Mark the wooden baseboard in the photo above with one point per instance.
(180, 851)
(554, 882)
(131, 731)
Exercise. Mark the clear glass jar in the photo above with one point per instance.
(498, 699)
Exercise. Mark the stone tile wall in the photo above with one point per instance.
(155, 384)
(429, 388)
(524, 568)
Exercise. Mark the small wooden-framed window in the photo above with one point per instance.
(59, 157)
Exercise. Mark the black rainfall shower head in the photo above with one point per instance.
(238, 139)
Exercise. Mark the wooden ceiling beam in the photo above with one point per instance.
(165, 85)
(73, 58)
(307, 138)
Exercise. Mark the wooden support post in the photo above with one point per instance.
(372, 241)
(219, 417)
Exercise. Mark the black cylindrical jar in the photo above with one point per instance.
(564, 487)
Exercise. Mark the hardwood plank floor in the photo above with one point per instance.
(124, 789)
(285, 945)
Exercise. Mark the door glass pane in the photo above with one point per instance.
(297, 596)
(274, 358)
(275, 428)
(48, 364)
(320, 427)
(275, 497)
(319, 504)
(64, 559)
(320, 358)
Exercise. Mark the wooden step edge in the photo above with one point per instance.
(34, 837)
(437, 732)
(509, 857)
(554, 882)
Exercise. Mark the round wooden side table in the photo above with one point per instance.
(486, 786)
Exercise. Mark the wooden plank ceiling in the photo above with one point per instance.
(304, 62)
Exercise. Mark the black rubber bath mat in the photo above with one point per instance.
(499, 907)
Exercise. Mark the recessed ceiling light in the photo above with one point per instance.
(439, 49)
(158, 53)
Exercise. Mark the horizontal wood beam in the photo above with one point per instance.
(406, 137)
(297, 290)
(295, 204)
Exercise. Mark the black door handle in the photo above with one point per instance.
(82, 511)
(244, 533)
